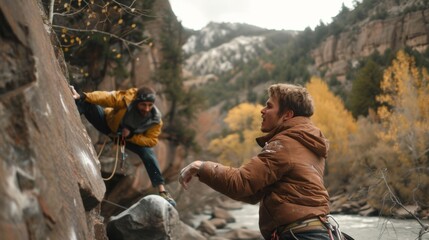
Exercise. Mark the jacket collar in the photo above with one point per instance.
(302, 130)
(282, 127)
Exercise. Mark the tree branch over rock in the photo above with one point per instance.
(99, 37)
(125, 41)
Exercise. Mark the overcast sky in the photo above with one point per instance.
(270, 14)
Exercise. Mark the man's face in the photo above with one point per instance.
(270, 118)
(144, 107)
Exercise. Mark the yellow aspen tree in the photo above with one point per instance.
(243, 123)
(404, 116)
(337, 124)
(244, 116)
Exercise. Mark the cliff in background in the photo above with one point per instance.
(329, 50)
(337, 54)
(50, 175)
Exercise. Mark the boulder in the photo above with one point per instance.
(222, 213)
(207, 227)
(242, 234)
(218, 222)
(406, 213)
(188, 233)
(150, 218)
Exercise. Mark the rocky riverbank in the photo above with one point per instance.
(216, 221)
(351, 205)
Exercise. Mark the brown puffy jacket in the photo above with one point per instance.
(286, 177)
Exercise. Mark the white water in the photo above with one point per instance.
(360, 228)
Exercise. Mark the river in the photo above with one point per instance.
(360, 228)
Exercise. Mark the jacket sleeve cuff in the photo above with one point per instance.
(199, 169)
(83, 96)
(208, 172)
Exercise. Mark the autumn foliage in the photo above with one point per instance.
(388, 148)
(404, 118)
(238, 146)
(338, 125)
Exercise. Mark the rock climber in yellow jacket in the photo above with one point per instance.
(130, 114)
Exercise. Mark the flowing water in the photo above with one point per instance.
(360, 228)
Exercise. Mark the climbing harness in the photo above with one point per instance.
(332, 228)
(123, 154)
(120, 143)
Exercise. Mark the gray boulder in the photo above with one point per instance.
(151, 218)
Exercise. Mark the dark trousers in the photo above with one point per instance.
(309, 235)
(95, 115)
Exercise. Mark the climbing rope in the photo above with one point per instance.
(102, 148)
(114, 204)
(117, 156)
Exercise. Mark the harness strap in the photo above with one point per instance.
(274, 235)
(328, 226)
(299, 226)
(123, 154)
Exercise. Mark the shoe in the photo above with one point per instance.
(168, 197)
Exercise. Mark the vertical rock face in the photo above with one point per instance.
(50, 179)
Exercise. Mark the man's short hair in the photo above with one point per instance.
(146, 94)
(292, 97)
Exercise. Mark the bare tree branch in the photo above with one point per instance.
(425, 227)
(130, 10)
(136, 44)
(70, 14)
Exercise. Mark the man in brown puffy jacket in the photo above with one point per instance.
(131, 115)
(286, 177)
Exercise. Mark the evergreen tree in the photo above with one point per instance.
(365, 88)
(184, 104)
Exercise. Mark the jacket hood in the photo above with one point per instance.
(302, 130)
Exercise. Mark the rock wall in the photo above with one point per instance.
(50, 183)
(337, 53)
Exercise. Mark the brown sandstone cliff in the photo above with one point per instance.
(338, 53)
(50, 176)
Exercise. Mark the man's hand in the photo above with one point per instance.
(125, 132)
(74, 92)
(188, 172)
